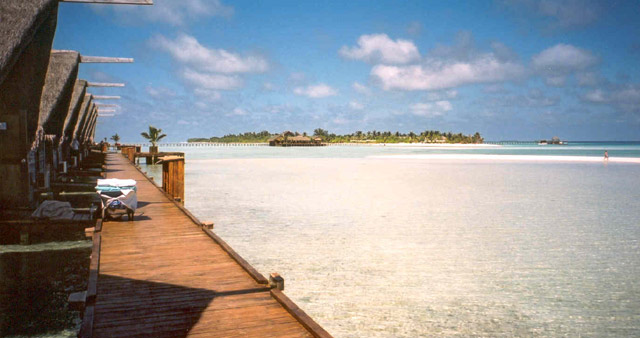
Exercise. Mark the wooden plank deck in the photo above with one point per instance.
(162, 275)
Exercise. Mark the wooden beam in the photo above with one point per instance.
(105, 97)
(113, 2)
(106, 110)
(104, 84)
(105, 115)
(104, 59)
(100, 105)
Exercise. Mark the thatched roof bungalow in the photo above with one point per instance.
(26, 36)
(276, 140)
(299, 139)
(75, 106)
(289, 139)
(85, 136)
(58, 90)
(85, 109)
(25, 26)
(91, 128)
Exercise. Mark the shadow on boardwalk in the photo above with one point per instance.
(148, 307)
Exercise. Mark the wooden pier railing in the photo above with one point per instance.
(168, 274)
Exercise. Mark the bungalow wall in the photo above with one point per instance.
(20, 90)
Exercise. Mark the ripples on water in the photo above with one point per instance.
(388, 248)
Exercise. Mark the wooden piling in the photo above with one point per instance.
(173, 177)
(276, 281)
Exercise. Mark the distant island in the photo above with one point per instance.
(374, 136)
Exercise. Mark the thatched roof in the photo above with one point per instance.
(79, 91)
(92, 127)
(19, 22)
(57, 91)
(299, 138)
(85, 109)
(93, 115)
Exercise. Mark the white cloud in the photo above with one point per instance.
(173, 12)
(360, 88)
(340, 120)
(355, 105)
(494, 88)
(239, 111)
(569, 12)
(211, 81)
(556, 81)
(587, 79)
(444, 105)
(431, 109)
(207, 70)
(268, 86)
(437, 74)
(207, 94)
(437, 96)
(560, 14)
(462, 49)
(624, 98)
(595, 96)
(379, 48)
(159, 92)
(297, 77)
(189, 52)
(316, 91)
(535, 98)
(563, 59)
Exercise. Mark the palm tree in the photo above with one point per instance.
(115, 138)
(154, 135)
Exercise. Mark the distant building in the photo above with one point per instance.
(289, 139)
(554, 140)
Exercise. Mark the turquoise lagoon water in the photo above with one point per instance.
(388, 247)
(596, 149)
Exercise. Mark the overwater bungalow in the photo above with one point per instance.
(289, 139)
(27, 29)
(554, 140)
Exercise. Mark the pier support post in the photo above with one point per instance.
(173, 177)
(77, 300)
(276, 281)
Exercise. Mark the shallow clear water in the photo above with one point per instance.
(391, 247)
(615, 149)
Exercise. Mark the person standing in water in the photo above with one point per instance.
(606, 156)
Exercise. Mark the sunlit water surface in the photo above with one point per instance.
(406, 248)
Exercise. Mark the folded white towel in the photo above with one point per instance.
(115, 182)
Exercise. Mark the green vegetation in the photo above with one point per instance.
(427, 136)
(154, 135)
(116, 138)
(249, 137)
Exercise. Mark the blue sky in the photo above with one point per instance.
(523, 69)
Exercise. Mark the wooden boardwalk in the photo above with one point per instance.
(164, 275)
